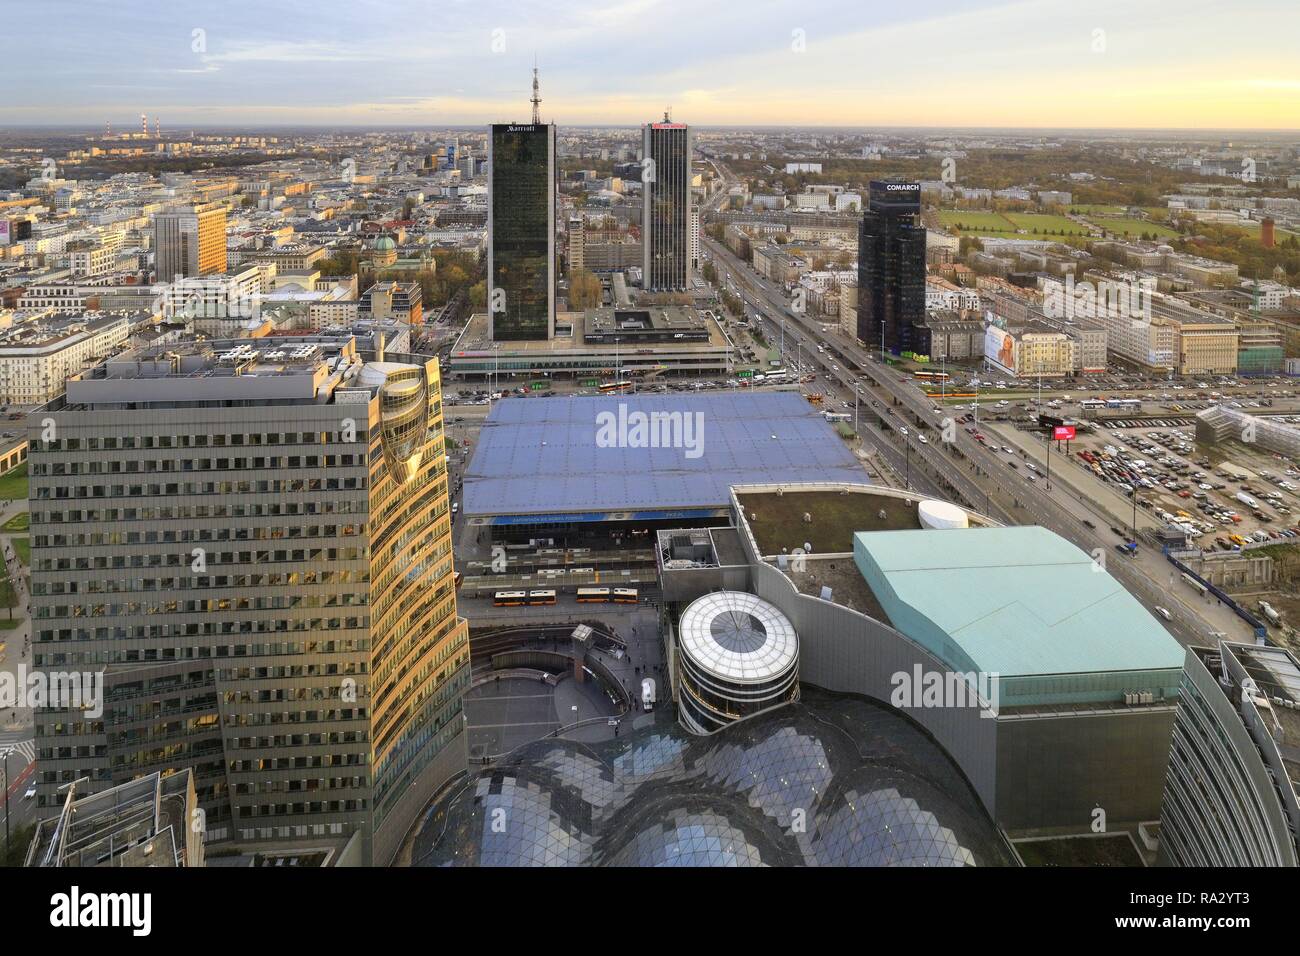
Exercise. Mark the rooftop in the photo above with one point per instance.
(777, 520)
(1015, 601)
(477, 337)
(584, 457)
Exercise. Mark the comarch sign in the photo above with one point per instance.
(896, 194)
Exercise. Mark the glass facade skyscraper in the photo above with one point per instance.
(253, 544)
(521, 231)
(891, 267)
(666, 219)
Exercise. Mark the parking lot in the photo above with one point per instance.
(1223, 498)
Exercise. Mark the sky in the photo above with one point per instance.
(1185, 64)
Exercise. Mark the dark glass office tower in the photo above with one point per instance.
(666, 222)
(891, 266)
(521, 231)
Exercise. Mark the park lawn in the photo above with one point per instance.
(1135, 227)
(1045, 223)
(1039, 237)
(1096, 209)
(974, 221)
(23, 548)
(13, 486)
(18, 522)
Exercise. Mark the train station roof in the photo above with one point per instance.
(623, 457)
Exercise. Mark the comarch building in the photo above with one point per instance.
(1049, 685)
(252, 541)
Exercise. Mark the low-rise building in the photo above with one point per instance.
(38, 356)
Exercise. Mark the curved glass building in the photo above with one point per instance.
(738, 655)
(830, 780)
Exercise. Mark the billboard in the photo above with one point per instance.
(1063, 433)
(1000, 348)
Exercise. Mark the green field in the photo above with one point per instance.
(1096, 209)
(23, 548)
(975, 221)
(18, 523)
(1045, 223)
(1135, 227)
(14, 485)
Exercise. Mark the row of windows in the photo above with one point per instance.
(201, 440)
(336, 758)
(44, 469)
(211, 558)
(264, 744)
(193, 535)
(299, 809)
(171, 632)
(269, 580)
(328, 506)
(307, 785)
(273, 602)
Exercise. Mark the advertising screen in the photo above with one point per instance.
(1000, 348)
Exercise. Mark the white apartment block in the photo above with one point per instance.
(92, 262)
(36, 358)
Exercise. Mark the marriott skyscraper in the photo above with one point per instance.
(666, 192)
(521, 228)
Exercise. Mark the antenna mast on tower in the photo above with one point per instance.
(536, 99)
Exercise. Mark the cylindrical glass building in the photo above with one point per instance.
(738, 655)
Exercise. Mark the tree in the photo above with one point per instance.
(584, 290)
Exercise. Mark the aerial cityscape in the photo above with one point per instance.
(436, 440)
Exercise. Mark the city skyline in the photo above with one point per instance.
(1113, 66)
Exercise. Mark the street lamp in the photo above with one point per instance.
(5, 758)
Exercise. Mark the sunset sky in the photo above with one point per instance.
(1047, 63)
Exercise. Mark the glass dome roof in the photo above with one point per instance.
(829, 781)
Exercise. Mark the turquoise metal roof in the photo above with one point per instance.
(1015, 601)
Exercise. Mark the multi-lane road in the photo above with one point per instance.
(962, 466)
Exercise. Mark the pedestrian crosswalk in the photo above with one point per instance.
(24, 751)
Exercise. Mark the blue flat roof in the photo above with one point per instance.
(554, 456)
(1015, 601)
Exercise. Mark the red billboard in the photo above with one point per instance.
(1063, 433)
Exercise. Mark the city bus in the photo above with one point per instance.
(510, 598)
(932, 376)
(593, 595)
(607, 387)
(544, 596)
(625, 596)
(1133, 404)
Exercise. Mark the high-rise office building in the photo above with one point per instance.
(666, 211)
(253, 543)
(1234, 767)
(521, 231)
(521, 228)
(189, 242)
(891, 266)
